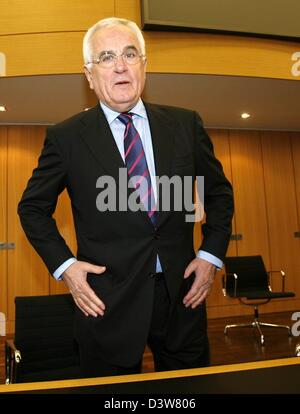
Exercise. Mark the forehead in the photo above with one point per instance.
(114, 38)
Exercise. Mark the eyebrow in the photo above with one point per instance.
(104, 52)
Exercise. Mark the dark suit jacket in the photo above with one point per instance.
(77, 152)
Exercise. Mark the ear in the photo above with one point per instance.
(145, 63)
(89, 76)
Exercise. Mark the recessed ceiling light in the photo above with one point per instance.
(245, 115)
(3, 108)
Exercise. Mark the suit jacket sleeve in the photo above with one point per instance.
(218, 196)
(38, 204)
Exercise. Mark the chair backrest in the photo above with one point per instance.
(251, 272)
(44, 335)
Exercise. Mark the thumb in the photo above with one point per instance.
(90, 268)
(188, 270)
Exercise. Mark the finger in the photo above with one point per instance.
(91, 305)
(96, 302)
(200, 300)
(191, 294)
(195, 293)
(196, 286)
(203, 295)
(189, 301)
(94, 299)
(89, 299)
(189, 270)
(86, 309)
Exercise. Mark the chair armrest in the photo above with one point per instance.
(12, 359)
(224, 283)
(282, 273)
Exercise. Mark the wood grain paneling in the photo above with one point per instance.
(3, 218)
(61, 52)
(27, 273)
(128, 9)
(215, 54)
(46, 38)
(263, 168)
(46, 53)
(250, 217)
(30, 16)
(250, 204)
(281, 206)
(265, 211)
(295, 143)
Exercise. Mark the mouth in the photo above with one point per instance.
(122, 83)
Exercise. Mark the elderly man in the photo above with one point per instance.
(136, 279)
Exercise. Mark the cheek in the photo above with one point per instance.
(103, 86)
(142, 81)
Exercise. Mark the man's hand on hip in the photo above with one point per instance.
(75, 276)
(202, 285)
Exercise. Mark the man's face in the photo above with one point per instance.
(121, 85)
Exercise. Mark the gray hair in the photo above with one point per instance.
(110, 22)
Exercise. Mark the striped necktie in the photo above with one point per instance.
(137, 167)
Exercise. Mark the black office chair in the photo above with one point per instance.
(43, 348)
(247, 280)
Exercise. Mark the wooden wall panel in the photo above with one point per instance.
(295, 142)
(31, 16)
(263, 178)
(281, 206)
(267, 172)
(27, 273)
(49, 53)
(128, 9)
(250, 203)
(3, 218)
(46, 38)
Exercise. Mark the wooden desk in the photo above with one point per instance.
(278, 376)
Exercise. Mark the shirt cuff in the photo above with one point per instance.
(60, 270)
(210, 258)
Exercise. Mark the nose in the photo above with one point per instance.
(120, 64)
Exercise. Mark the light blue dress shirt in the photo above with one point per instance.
(141, 123)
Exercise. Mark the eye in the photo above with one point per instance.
(108, 57)
(131, 54)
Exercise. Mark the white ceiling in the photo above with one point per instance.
(274, 104)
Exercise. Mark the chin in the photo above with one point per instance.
(129, 103)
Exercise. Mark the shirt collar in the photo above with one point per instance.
(139, 109)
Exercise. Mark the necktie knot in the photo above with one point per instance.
(125, 118)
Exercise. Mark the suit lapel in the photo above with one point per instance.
(162, 135)
(97, 135)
